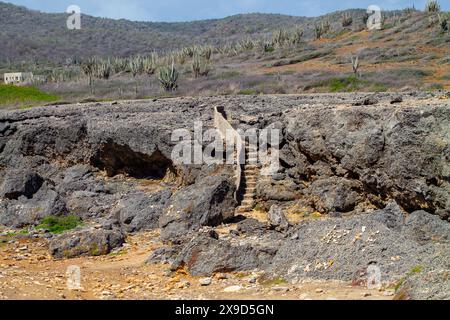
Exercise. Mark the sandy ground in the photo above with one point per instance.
(27, 271)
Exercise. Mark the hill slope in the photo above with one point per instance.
(26, 34)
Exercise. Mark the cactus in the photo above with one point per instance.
(88, 68)
(432, 6)
(136, 66)
(280, 37)
(199, 66)
(318, 31)
(443, 23)
(103, 69)
(206, 52)
(295, 36)
(168, 77)
(347, 20)
(149, 64)
(322, 29)
(355, 65)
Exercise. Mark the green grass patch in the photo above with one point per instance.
(58, 225)
(10, 94)
(347, 84)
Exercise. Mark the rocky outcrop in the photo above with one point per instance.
(383, 167)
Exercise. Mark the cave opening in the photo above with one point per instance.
(121, 159)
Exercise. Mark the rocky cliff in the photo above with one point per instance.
(364, 179)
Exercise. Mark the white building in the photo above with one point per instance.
(18, 77)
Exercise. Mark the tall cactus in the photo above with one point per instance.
(149, 64)
(168, 77)
(355, 65)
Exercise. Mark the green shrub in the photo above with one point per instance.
(57, 225)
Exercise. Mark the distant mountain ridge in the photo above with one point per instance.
(32, 35)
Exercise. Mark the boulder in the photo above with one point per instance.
(87, 242)
(334, 194)
(277, 219)
(205, 255)
(141, 211)
(208, 202)
(19, 183)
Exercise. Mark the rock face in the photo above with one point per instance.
(208, 202)
(371, 154)
(384, 167)
(89, 242)
(54, 161)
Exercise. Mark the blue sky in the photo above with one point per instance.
(187, 10)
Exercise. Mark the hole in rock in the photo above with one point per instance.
(118, 159)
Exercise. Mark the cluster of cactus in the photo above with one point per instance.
(229, 49)
(432, 6)
(119, 65)
(322, 29)
(136, 65)
(246, 44)
(181, 56)
(62, 75)
(199, 66)
(346, 20)
(409, 10)
(150, 64)
(285, 38)
(168, 77)
(103, 69)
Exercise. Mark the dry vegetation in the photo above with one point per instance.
(336, 53)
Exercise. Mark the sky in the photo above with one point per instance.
(188, 10)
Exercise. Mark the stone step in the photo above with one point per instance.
(250, 184)
(251, 167)
(250, 190)
(249, 196)
(243, 209)
(247, 202)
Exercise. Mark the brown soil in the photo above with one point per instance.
(27, 271)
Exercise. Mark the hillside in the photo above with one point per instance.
(26, 34)
(243, 54)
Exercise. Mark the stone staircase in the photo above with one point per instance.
(250, 177)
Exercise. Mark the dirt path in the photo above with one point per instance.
(28, 272)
